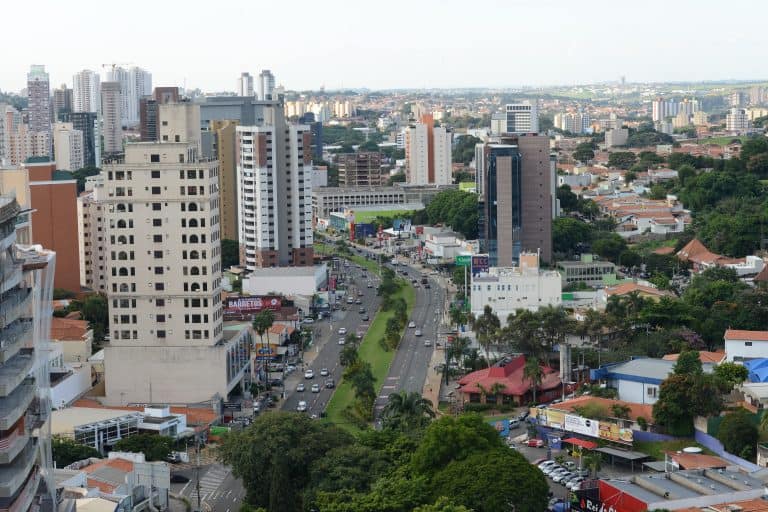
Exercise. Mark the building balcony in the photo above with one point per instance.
(13, 304)
(23, 500)
(12, 338)
(10, 277)
(15, 370)
(13, 476)
(13, 443)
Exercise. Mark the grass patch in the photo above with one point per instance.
(723, 141)
(372, 352)
(366, 217)
(646, 248)
(657, 449)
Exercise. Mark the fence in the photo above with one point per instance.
(653, 437)
(716, 446)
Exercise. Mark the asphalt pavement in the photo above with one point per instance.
(326, 349)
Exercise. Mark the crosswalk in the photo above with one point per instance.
(209, 484)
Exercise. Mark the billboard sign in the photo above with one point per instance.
(480, 264)
(580, 425)
(613, 432)
(251, 305)
(463, 260)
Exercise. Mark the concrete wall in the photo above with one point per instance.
(716, 446)
(72, 387)
(636, 392)
(737, 349)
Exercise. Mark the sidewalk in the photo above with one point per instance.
(433, 382)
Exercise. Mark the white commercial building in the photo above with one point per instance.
(745, 345)
(134, 83)
(428, 154)
(737, 121)
(163, 268)
(286, 281)
(616, 137)
(507, 289)
(522, 118)
(91, 235)
(274, 190)
(68, 147)
(85, 91)
(244, 84)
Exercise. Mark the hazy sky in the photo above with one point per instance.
(388, 44)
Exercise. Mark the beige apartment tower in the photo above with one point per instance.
(112, 129)
(163, 278)
(224, 136)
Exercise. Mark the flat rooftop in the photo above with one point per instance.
(64, 421)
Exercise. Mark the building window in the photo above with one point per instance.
(161, 334)
(155, 190)
(157, 222)
(160, 302)
(747, 343)
(156, 207)
(157, 238)
(154, 158)
(158, 255)
(156, 174)
(159, 287)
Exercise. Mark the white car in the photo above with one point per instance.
(309, 374)
(300, 387)
(411, 324)
(427, 343)
(324, 372)
(309, 320)
(342, 341)
(417, 332)
(315, 388)
(342, 331)
(302, 407)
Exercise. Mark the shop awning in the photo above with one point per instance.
(589, 445)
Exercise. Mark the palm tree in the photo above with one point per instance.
(262, 322)
(487, 328)
(523, 332)
(533, 373)
(407, 411)
(459, 317)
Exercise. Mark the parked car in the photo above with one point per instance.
(309, 374)
(302, 407)
(309, 320)
(315, 388)
(535, 443)
(562, 476)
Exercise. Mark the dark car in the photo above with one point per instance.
(179, 479)
(330, 383)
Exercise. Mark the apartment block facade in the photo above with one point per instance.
(361, 169)
(26, 288)
(110, 116)
(163, 277)
(91, 235)
(224, 136)
(428, 159)
(39, 106)
(68, 145)
(274, 176)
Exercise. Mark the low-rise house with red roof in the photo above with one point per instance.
(75, 338)
(704, 357)
(646, 291)
(507, 385)
(741, 345)
(701, 258)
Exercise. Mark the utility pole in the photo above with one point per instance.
(197, 470)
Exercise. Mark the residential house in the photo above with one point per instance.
(701, 258)
(743, 345)
(507, 384)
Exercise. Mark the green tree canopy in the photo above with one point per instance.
(66, 451)
(739, 434)
(154, 447)
(464, 149)
(621, 159)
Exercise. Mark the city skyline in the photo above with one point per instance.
(563, 45)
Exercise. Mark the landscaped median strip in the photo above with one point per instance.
(371, 351)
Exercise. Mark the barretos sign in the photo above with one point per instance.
(251, 305)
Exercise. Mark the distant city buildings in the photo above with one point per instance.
(87, 124)
(522, 118)
(39, 104)
(661, 108)
(112, 131)
(61, 103)
(574, 122)
(244, 84)
(737, 121)
(86, 91)
(274, 176)
(616, 137)
(135, 83)
(428, 153)
(266, 85)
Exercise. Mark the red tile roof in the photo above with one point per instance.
(68, 329)
(510, 375)
(664, 250)
(704, 357)
(697, 460)
(635, 410)
(627, 288)
(696, 252)
(736, 334)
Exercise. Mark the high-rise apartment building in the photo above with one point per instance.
(574, 122)
(86, 123)
(428, 159)
(22, 143)
(135, 83)
(756, 95)
(224, 137)
(62, 103)
(68, 147)
(245, 84)
(163, 272)
(39, 99)
(266, 85)
(518, 201)
(522, 118)
(360, 169)
(110, 117)
(91, 235)
(737, 120)
(26, 282)
(179, 122)
(274, 174)
(661, 109)
(86, 91)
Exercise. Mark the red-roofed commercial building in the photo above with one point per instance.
(744, 345)
(507, 385)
